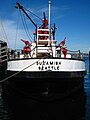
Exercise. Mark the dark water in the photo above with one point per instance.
(87, 90)
(75, 107)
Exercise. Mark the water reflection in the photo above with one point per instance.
(71, 108)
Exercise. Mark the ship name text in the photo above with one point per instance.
(48, 65)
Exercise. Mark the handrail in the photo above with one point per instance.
(74, 54)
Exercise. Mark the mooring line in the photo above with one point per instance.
(3, 80)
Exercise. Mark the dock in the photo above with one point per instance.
(3, 58)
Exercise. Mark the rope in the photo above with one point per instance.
(16, 31)
(3, 80)
(73, 51)
(33, 14)
(25, 27)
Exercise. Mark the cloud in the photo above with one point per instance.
(10, 25)
(13, 34)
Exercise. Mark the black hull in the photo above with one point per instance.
(47, 74)
(44, 85)
(55, 86)
(25, 97)
(21, 94)
(22, 106)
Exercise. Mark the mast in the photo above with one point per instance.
(49, 4)
(18, 5)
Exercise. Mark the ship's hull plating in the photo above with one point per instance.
(25, 105)
(46, 89)
(45, 78)
(48, 74)
(42, 84)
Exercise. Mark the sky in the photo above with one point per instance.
(72, 19)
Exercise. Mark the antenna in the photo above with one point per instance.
(49, 13)
(49, 3)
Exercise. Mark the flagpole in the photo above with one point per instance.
(49, 3)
